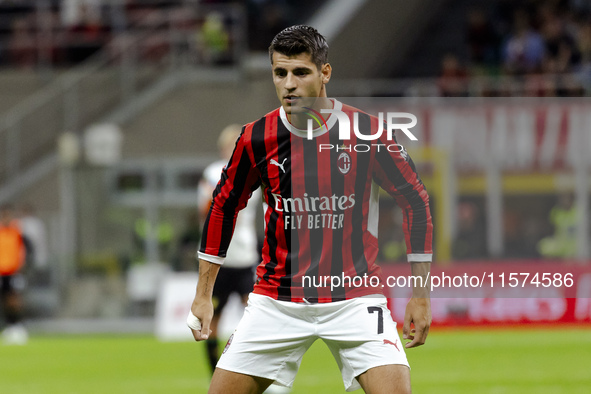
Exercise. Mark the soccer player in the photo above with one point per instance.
(237, 274)
(12, 258)
(320, 221)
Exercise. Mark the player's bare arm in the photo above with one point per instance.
(202, 307)
(418, 309)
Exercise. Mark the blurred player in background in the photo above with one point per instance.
(34, 231)
(320, 219)
(12, 258)
(237, 275)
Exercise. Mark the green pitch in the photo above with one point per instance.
(467, 361)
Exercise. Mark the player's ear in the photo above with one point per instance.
(326, 71)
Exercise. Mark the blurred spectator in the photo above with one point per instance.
(482, 39)
(564, 218)
(85, 37)
(214, 40)
(524, 50)
(34, 231)
(584, 42)
(453, 81)
(22, 46)
(12, 258)
(561, 49)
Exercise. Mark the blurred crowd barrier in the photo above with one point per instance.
(510, 292)
(508, 178)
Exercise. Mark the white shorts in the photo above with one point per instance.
(272, 337)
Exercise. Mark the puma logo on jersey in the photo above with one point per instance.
(391, 343)
(275, 163)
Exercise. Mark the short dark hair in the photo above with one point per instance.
(300, 39)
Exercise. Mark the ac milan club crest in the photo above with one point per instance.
(344, 162)
(228, 343)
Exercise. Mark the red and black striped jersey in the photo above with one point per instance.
(321, 206)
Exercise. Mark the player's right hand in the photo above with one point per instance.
(418, 313)
(199, 319)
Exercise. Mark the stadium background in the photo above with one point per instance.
(110, 110)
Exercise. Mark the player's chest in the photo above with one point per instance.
(298, 163)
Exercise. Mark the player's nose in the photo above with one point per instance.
(290, 82)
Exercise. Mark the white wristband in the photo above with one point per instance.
(193, 322)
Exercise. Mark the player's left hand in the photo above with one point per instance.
(418, 312)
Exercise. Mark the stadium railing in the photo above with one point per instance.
(159, 42)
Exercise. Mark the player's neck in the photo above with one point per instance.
(300, 120)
